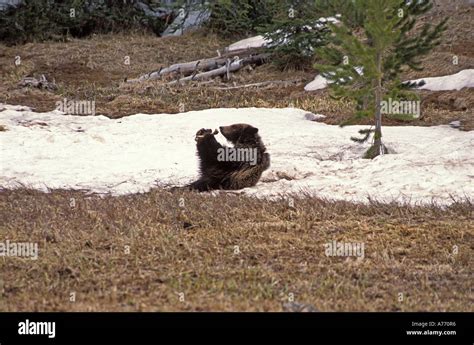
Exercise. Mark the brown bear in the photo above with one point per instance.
(223, 167)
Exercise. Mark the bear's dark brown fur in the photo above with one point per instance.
(218, 173)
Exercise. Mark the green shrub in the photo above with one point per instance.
(41, 20)
(295, 32)
(351, 11)
(240, 17)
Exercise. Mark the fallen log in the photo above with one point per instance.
(224, 70)
(188, 68)
(40, 83)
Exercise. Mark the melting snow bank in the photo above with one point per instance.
(457, 81)
(133, 154)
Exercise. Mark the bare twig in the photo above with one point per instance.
(264, 83)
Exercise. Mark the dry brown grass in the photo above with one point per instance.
(191, 250)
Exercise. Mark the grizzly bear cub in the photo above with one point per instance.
(223, 167)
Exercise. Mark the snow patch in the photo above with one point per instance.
(259, 41)
(318, 83)
(251, 42)
(457, 81)
(135, 153)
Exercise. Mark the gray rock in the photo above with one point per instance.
(299, 307)
(455, 124)
(189, 17)
(314, 117)
(153, 12)
(4, 4)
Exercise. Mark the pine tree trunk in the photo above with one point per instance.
(378, 147)
(378, 111)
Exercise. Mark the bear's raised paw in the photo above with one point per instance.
(200, 134)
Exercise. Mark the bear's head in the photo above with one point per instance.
(240, 133)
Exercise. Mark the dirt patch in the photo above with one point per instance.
(39, 100)
(76, 73)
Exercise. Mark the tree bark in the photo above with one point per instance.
(378, 111)
(378, 147)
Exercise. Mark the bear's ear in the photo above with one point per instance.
(252, 130)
